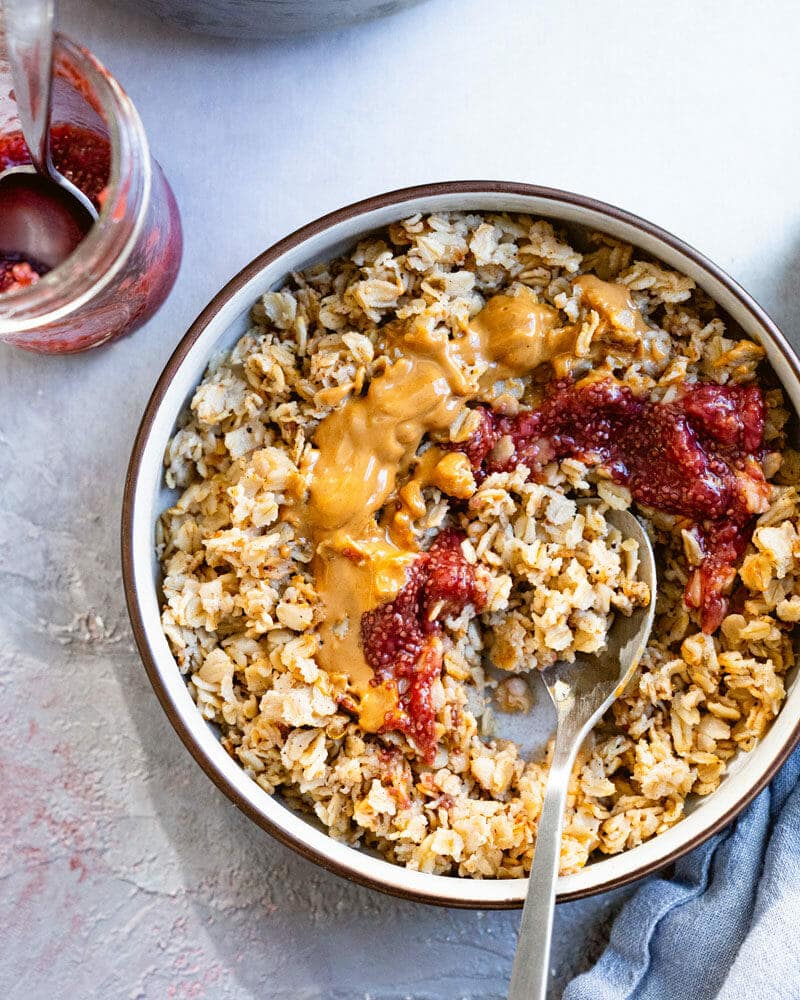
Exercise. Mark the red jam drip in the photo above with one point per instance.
(399, 638)
(696, 457)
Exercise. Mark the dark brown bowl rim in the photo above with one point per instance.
(466, 188)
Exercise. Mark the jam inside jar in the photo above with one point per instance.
(124, 268)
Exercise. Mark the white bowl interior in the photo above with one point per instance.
(150, 497)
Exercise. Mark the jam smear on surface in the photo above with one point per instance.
(696, 457)
(401, 638)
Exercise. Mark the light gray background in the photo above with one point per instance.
(124, 872)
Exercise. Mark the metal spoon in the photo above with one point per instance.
(43, 216)
(581, 692)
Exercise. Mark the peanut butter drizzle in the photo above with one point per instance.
(449, 470)
(370, 440)
(515, 334)
(614, 305)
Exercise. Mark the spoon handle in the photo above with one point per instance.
(29, 38)
(532, 960)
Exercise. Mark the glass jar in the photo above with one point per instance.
(126, 265)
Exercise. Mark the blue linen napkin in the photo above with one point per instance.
(725, 926)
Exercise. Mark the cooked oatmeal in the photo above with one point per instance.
(379, 501)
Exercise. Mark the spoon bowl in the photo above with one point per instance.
(587, 687)
(581, 692)
(41, 220)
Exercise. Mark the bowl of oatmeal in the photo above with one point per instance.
(368, 503)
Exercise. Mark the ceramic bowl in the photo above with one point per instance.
(218, 327)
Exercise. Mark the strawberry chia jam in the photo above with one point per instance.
(401, 638)
(696, 457)
(120, 273)
(16, 273)
(83, 157)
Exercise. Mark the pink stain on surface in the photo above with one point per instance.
(76, 864)
(48, 815)
(191, 989)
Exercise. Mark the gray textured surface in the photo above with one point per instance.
(123, 871)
